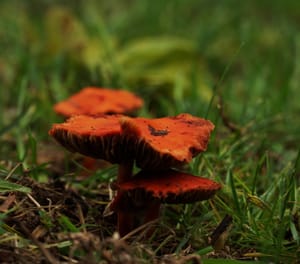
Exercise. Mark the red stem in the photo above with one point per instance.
(125, 171)
(129, 220)
(125, 219)
(152, 213)
(125, 222)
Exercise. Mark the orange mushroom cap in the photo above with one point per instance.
(94, 137)
(168, 186)
(152, 143)
(97, 101)
(168, 141)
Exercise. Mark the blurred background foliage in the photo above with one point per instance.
(172, 53)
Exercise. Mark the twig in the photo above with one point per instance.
(34, 201)
(81, 217)
(220, 234)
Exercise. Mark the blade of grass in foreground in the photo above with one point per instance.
(234, 192)
(6, 186)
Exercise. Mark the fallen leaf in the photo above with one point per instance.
(7, 203)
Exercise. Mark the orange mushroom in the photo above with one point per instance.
(95, 101)
(167, 141)
(169, 186)
(93, 137)
(143, 194)
(99, 138)
(154, 144)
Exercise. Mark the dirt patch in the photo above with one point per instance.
(43, 217)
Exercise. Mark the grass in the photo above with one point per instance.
(233, 62)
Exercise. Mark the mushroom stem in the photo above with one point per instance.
(130, 219)
(152, 213)
(125, 222)
(125, 171)
(125, 219)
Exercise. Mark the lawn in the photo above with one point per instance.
(236, 63)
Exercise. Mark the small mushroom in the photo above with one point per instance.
(170, 186)
(95, 101)
(143, 194)
(154, 144)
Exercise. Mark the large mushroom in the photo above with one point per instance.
(154, 144)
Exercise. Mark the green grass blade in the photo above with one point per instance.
(234, 192)
(67, 225)
(6, 186)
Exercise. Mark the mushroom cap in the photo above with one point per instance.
(94, 137)
(97, 101)
(168, 141)
(170, 186)
(153, 143)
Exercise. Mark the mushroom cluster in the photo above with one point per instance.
(95, 101)
(157, 146)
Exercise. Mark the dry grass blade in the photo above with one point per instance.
(13, 170)
(145, 228)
